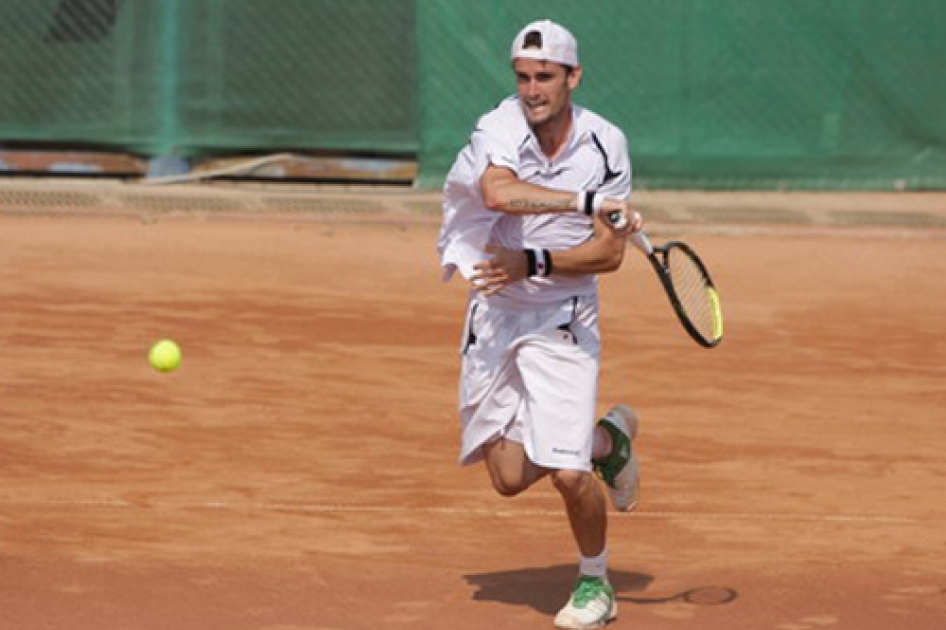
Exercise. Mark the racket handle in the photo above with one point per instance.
(639, 239)
(616, 218)
(641, 242)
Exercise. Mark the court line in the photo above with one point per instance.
(338, 508)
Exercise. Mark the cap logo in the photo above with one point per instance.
(533, 39)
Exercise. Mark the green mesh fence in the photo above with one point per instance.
(76, 72)
(711, 93)
(187, 77)
(720, 93)
(325, 74)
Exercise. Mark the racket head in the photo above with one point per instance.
(691, 291)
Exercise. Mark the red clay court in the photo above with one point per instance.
(298, 471)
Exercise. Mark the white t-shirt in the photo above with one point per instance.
(595, 157)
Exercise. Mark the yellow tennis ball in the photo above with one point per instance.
(165, 356)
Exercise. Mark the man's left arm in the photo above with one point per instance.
(603, 253)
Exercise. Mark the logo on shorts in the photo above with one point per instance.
(566, 451)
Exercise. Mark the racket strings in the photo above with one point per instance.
(697, 297)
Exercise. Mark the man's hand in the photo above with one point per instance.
(505, 266)
(502, 269)
(620, 217)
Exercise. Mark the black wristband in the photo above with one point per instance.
(531, 262)
(589, 208)
(539, 262)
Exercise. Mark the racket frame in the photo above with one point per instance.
(657, 257)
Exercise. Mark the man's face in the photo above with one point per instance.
(544, 89)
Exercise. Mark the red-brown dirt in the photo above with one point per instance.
(298, 471)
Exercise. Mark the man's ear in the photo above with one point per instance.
(574, 78)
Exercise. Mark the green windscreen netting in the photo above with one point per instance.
(711, 93)
(187, 77)
(721, 93)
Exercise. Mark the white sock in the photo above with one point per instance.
(595, 567)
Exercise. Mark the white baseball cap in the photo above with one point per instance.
(554, 43)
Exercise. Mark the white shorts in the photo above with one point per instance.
(531, 376)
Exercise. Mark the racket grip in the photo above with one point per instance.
(641, 242)
(616, 218)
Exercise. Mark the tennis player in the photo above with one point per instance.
(524, 208)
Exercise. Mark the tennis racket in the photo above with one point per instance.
(688, 285)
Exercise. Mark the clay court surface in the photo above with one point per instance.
(298, 472)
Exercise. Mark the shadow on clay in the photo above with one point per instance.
(544, 589)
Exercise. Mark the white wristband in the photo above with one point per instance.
(541, 263)
(588, 202)
(580, 200)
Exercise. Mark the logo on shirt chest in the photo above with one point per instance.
(575, 170)
(543, 172)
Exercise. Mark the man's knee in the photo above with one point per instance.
(509, 468)
(507, 487)
(572, 483)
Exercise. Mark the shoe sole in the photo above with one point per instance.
(612, 615)
(630, 507)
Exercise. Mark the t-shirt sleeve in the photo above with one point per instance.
(617, 184)
(491, 146)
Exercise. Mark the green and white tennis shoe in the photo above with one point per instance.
(619, 468)
(592, 604)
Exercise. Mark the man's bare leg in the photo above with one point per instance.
(586, 507)
(510, 470)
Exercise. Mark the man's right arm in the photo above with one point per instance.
(504, 192)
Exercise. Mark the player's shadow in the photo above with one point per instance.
(545, 589)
